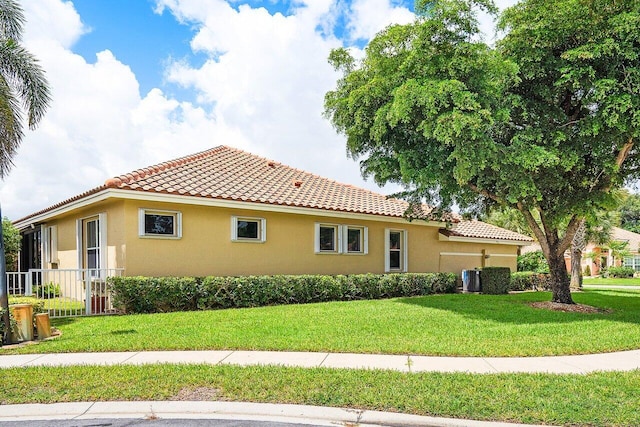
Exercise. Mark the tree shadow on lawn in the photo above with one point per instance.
(622, 306)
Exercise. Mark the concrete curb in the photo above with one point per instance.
(301, 414)
(578, 364)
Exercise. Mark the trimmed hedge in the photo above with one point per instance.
(495, 280)
(529, 280)
(165, 294)
(620, 272)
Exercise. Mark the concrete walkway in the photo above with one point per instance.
(581, 364)
(237, 411)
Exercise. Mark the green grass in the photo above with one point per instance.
(445, 325)
(598, 399)
(611, 281)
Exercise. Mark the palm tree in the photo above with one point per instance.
(23, 89)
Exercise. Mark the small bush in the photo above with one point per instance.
(587, 271)
(495, 280)
(620, 272)
(533, 261)
(47, 290)
(530, 281)
(163, 294)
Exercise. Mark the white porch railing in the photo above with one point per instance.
(66, 292)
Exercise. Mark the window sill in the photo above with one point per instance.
(150, 236)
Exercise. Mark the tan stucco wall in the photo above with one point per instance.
(206, 247)
(67, 229)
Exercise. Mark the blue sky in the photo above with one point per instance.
(137, 35)
(139, 82)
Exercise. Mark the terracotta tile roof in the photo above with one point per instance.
(231, 174)
(227, 173)
(482, 230)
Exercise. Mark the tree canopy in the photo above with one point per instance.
(545, 121)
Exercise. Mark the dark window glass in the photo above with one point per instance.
(394, 260)
(354, 239)
(247, 229)
(159, 224)
(327, 238)
(92, 234)
(394, 240)
(93, 258)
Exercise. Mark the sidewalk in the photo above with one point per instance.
(580, 364)
(236, 411)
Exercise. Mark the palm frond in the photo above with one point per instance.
(11, 20)
(23, 73)
(10, 126)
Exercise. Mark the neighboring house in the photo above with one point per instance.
(227, 212)
(597, 257)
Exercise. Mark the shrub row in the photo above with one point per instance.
(619, 272)
(528, 280)
(165, 294)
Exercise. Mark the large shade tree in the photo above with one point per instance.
(545, 122)
(23, 91)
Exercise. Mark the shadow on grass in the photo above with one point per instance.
(624, 306)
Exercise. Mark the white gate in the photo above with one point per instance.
(67, 292)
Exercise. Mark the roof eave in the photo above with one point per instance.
(465, 239)
(115, 193)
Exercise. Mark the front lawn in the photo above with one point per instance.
(598, 399)
(611, 281)
(445, 325)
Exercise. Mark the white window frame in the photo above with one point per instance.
(177, 224)
(337, 247)
(262, 229)
(102, 240)
(364, 239)
(50, 243)
(404, 252)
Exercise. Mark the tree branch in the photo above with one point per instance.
(535, 227)
(484, 193)
(572, 227)
(624, 152)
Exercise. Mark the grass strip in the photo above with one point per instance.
(611, 281)
(598, 399)
(441, 325)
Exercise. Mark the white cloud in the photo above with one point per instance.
(53, 20)
(370, 16)
(261, 90)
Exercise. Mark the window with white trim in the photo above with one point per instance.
(245, 229)
(159, 224)
(328, 238)
(356, 239)
(395, 250)
(50, 244)
(91, 244)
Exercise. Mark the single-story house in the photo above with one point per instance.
(228, 212)
(598, 256)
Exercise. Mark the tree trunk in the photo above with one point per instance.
(559, 279)
(578, 244)
(576, 269)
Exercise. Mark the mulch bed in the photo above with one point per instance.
(569, 308)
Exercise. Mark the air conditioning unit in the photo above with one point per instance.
(471, 281)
